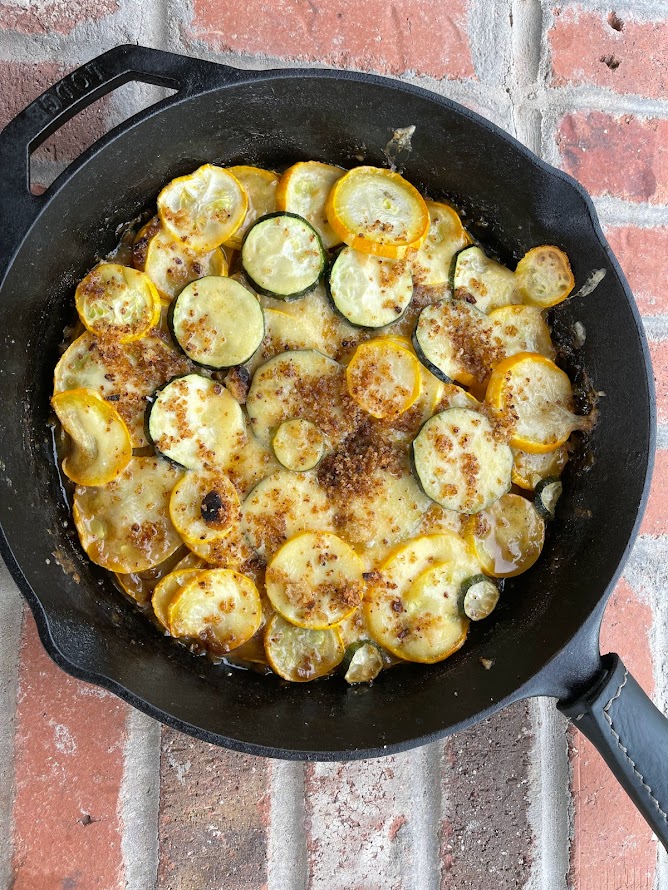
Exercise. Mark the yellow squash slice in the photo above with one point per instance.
(447, 235)
(168, 262)
(522, 329)
(507, 537)
(117, 302)
(140, 585)
(377, 211)
(315, 580)
(101, 446)
(384, 377)
(260, 186)
(125, 526)
(299, 654)
(203, 209)
(536, 398)
(166, 590)
(530, 469)
(544, 277)
(303, 189)
(411, 609)
(125, 375)
(204, 506)
(218, 608)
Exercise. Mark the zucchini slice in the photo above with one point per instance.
(479, 279)
(544, 277)
(315, 580)
(412, 608)
(218, 608)
(101, 448)
(548, 492)
(362, 662)
(203, 209)
(168, 262)
(479, 597)
(204, 506)
(283, 256)
(166, 590)
(530, 469)
(536, 398)
(522, 329)
(507, 537)
(298, 445)
(377, 211)
(459, 463)
(303, 189)
(457, 342)
(369, 291)
(195, 422)
(123, 375)
(124, 526)
(383, 377)
(446, 236)
(301, 383)
(217, 322)
(117, 302)
(283, 505)
(261, 187)
(299, 654)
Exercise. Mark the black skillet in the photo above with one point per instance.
(544, 638)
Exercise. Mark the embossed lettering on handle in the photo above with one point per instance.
(71, 88)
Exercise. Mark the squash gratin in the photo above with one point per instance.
(309, 423)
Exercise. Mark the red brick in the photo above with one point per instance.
(612, 845)
(48, 16)
(358, 823)
(659, 352)
(70, 740)
(486, 840)
(626, 157)
(408, 35)
(630, 60)
(643, 255)
(23, 82)
(655, 521)
(213, 817)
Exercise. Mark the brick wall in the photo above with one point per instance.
(94, 796)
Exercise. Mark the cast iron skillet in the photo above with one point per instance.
(544, 639)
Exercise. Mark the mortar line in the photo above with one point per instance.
(549, 805)
(616, 212)
(139, 801)
(526, 42)
(424, 801)
(287, 860)
(11, 614)
(662, 444)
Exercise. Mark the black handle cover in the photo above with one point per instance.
(631, 735)
(71, 95)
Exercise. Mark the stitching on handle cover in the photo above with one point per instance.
(607, 716)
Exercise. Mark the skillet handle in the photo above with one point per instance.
(632, 737)
(77, 90)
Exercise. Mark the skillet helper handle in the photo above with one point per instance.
(77, 90)
(631, 734)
